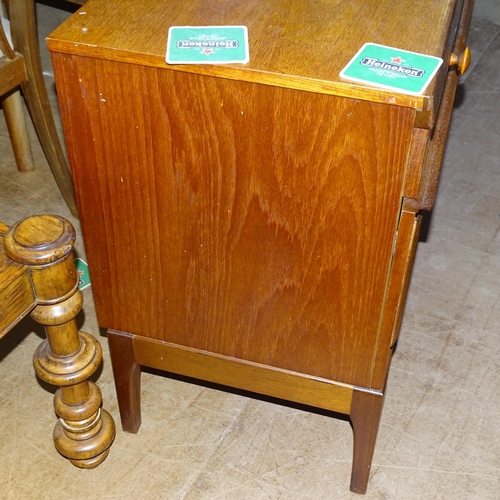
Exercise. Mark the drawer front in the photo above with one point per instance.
(404, 255)
(428, 146)
(431, 167)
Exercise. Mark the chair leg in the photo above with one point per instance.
(16, 124)
(24, 37)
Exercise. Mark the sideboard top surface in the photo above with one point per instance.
(301, 44)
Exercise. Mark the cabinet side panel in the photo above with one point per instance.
(247, 220)
(83, 132)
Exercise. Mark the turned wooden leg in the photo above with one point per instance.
(366, 410)
(67, 358)
(127, 374)
(24, 37)
(18, 131)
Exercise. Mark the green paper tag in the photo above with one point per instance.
(82, 270)
(207, 45)
(392, 68)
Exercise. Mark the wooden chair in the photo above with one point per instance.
(21, 66)
(37, 274)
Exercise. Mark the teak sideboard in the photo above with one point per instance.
(255, 225)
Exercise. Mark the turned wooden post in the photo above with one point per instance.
(67, 358)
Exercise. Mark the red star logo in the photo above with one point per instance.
(397, 60)
(208, 51)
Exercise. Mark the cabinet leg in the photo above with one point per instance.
(366, 410)
(127, 375)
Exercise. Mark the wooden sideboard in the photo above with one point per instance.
(255, 225)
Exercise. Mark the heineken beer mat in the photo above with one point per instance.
(207, 45)
(392, 68)
(82, 269)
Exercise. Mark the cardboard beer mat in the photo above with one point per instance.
(82, 270)
(392, 68)
(207, 45)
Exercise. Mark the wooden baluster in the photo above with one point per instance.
(67, 358)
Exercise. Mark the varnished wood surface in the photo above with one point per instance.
(395, 300)
(37, 269)
(127, 376)
(17, 299)
(237, 228)
(366, 411)
(12, 73)
(263, 217)
(26, 70)
(432, 165)
(9, 270)
(16, 293)
(416, 157)
(13, 111)
(302, 44)
(253, 377)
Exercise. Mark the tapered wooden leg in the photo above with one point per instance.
(24, 37)
(366, 410)
(127, 374)
(67, 358)
(18, 131)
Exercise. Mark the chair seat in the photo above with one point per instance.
(16, 291)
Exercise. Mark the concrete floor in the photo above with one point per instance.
(439, 437)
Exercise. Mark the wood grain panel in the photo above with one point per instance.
(246, 220)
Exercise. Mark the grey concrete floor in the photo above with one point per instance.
(439, 437)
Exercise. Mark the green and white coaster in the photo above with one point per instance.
(82, 270)
(207, 45)
(392, 68)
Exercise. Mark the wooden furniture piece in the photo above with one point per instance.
(264, 217)
(13, 110)
(21, 66)
(37, 274)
